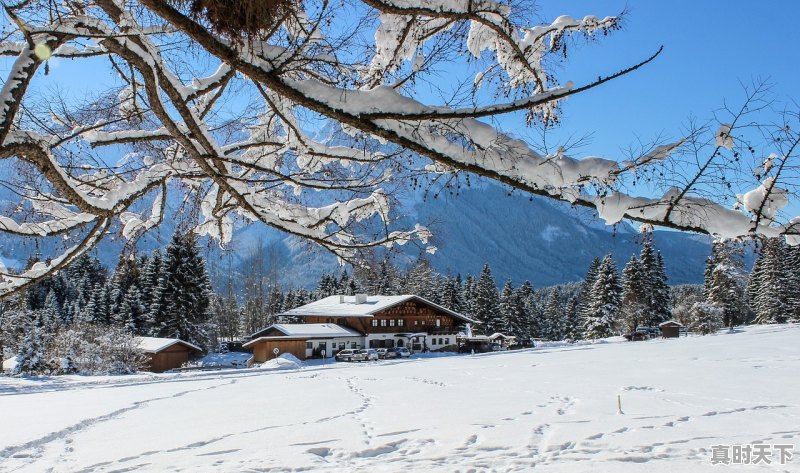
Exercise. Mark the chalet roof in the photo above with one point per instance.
(156, 344)
(670, 322)
(346, 306)
(310, 330)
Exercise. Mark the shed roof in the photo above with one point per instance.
(156, 344)
(671, 322)
(303, 332)
(346, 306)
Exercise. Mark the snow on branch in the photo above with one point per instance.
(313, 126)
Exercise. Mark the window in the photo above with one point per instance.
(383, 323)
(353, 345)
(391, 323)
(374, 323)
(309, 345)
(400, 322)
(433, 341)
(416, 322)
(447, 341)
(440, 342)
(438, 322)
(341, 345)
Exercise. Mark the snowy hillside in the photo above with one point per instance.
(554, 409)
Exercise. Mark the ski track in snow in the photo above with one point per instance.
(494, 412)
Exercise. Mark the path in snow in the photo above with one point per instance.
(553, 409)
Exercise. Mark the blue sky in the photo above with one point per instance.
(710, 48)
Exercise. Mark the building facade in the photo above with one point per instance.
(338, 322)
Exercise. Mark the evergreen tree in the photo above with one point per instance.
(792, 257)
(771, 296)
(586, 295)
(183, 293)
(149, 282)
(30, 355)
(486, 304)
(554, 325)
(634, 309)
(573, 329)
(655, 283)
(420, 280)
(606, 295)
(725, 286)
(508, 309)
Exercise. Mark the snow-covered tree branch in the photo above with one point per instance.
(306, 119)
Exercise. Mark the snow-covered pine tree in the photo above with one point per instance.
(486, 303)
(451, 290)
(30, 354)
(725, 286)
(149, 281)
(184, 291)
(606, 295)
(521, 324)
(573, 329)
(386, 284)
(586, 295)
(661, 309)
(771, 296)
(792, 256)
(508, 308)
(468, 296)
(655, 283)
(554, 323)
(419, 279)
(634, 308)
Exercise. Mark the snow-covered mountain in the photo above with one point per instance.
(539, 240)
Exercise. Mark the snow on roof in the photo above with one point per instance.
(156, 344)
(670, 322)
(304, 331)
(315, 330)
(500, 335)
(346, 306)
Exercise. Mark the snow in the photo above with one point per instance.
(346, 306)
(10, 364)
(552, 408)
(287, 361)
(314, 330)
(723, 138)
(156, 344)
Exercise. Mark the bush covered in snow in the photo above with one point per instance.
(706, 318)
(80, 348)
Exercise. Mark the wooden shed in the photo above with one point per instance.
(166, 353)
(302, 340)
(670, 329)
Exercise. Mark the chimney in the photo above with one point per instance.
(361, 298)
(341, 299)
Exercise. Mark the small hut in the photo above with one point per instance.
(670, 329)
(166, 353)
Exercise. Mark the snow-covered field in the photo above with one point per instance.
(554, 409)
